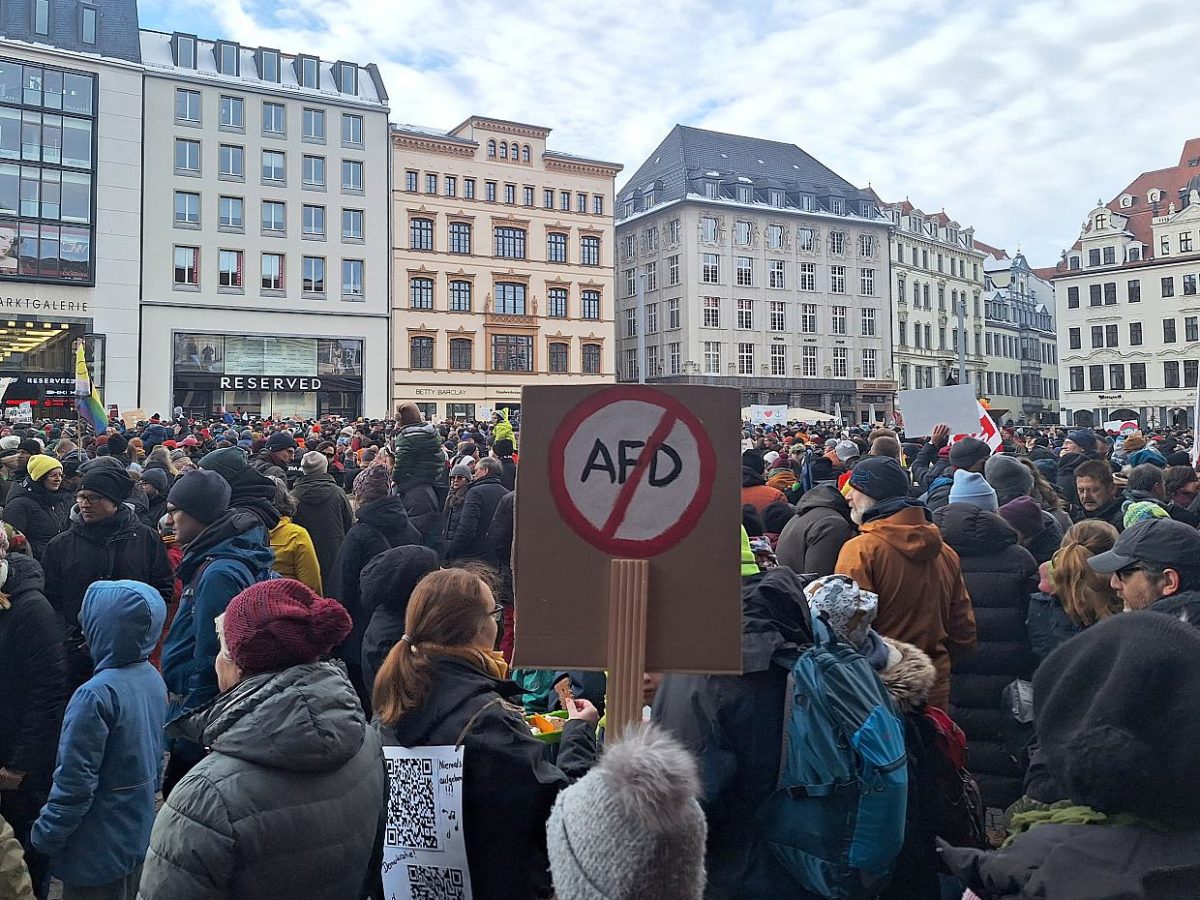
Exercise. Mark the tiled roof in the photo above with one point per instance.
(1046, 273)
(990, 250)
(689, 155)
(116, 27)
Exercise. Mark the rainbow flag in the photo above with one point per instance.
(87, 398)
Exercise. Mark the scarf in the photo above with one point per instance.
(1064, 813)
(490, 662)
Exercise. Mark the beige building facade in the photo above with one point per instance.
(502, 266)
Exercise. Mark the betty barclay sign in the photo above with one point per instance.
(294, 384)
(641, 475)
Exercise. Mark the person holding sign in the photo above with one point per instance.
(443, 685)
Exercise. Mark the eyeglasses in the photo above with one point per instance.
(498, 612)
(1129, 571)
(88, 499)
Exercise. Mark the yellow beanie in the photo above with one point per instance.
(41, 465)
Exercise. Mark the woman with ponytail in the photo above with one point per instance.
(444, 684)
(1072, 596)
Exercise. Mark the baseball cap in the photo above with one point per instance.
(281, 440)
(1163, 542)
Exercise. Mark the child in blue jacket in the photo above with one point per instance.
(95, 827)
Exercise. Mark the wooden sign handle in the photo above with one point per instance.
(629, 588)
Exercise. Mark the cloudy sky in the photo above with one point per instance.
(1013, 116)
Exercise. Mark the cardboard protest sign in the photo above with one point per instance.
(629, 472)
(131, 417)
(768, 415)
(21, 414)
(954, 405)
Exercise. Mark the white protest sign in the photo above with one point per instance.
(954, 405)
(21, 414)
(1121, 426)
(768, 415)
(424, 847)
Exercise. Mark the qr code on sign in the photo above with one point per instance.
(412, 810)
(435, 883)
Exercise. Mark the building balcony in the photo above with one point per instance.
(495, 318)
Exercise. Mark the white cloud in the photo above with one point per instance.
(1013, 117)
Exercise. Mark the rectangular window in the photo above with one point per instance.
(1170, 374)
(230, 213)
(352, 279)
(1095, 294)
(232, 113)
(838, 314)
(313, 125)
(228, 58)
(510, 298)
(1095, 378)
(469, 188)
(868, 321)
(870, 367)
(510, 193)
(591, 359)
(268, 65)
(556, 247)
(1133, 291)
(808, 362)
(837, 243)
(1110, 293)
(352, 224)
(489, 191)
(460, 237)
(547, 198)
(778, 359)
(431, 183)
(510, 243)
(1097, 336)
(1185, 242)
(808, 276)
(745, 315)
(556, 302)
(712, 358)
(1076, 377)
(564, 201)
(1168, 331)
(1168, 286)
(229, 268)
(712, 312)
(837, 279)
(352, 176)
(1191, 367)
(272, 271)
(187, 156)
(589, 250)
(745, 271)
(581, 203)
(1073, 298)
(1110, 335)
(187, 266)
(651, 318)
(808, 318)
(1110, 256)
(274, 117)
(312, 221)
(274, 167)
(352, 130)
(745, 359)
(672, 314)
(839, 362)
(460, 296)
(450, 186)
(1135, 334)
(597, 205)
(775, 277)
(312, 171)
(420, 234)
(512, 353)
(1137, 376)
(631, 323)
(778, 315)
(1094, 256)
(231, 161)
(274, 216)
(710, 269)
(866, 279)
(420, 293)
(187, 208)
(420, 352)
(1074, 338)
(1189, 284)
(185, 45)
(806, 240)
(187, 106)
(87, 24)
(558, 357)
(1190, 331)
(651, 272)
(591, 304)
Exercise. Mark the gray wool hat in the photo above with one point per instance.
(1008, 476)
(228, 462)
(314, 463)
(632, 826)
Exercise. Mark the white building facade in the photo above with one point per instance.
(70, 200)
(265, 257)
(1129, 331)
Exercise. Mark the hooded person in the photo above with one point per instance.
(275, 456)
(1000, 576)
(420, 474)
(155, 484)
(1078, 448)
(225, 551)
(812, 539)
(386, 584)
(33, 688)
(107, 543)
(740, 765)
(755, 490)
(42, 510)
(249, 490)
(278, 807)
(96, 823)
(631, 825)
(900, 555)
(1037, 530)
(322, 509)
(1118, 730)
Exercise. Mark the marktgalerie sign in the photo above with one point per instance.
(296, 384)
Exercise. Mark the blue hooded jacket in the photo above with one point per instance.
(228, 556)
(96, 824)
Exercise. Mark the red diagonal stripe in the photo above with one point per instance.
(617, 516)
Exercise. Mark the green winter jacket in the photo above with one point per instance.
(419, 458)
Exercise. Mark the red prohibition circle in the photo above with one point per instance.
(556, 461)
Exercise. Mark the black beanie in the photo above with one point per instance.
(117, 444)
(110, 482)
(752, 459)
(202, 494)
(228, 462)
(880, 477)
(1117, 719)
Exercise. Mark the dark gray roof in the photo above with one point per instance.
(116, 27)
(688, 157)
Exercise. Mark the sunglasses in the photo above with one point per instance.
(1129, 571)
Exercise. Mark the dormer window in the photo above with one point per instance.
(1126, 201)
(88, 16)
(775, 197)
(1101, 221)
(227, 57)
(914, 223)
(1073, 263)
(41, 16)
(710, 190)
(268, 65)
(648, 199)
(808, 202)
(837, 206)
(184, 46)
(1153, 195)
(308, 71)
(866, 209)
(346, 75)
(1135, 253)
(744, 193)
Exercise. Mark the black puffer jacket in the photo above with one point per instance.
(39, 514)
(812, 539)
(1000, 575)
(508, 786)
(469, 540)
(33, 675)
(1045, 543)
(323, 510)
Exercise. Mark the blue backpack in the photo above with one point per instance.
(836, 821)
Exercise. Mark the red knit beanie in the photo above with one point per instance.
(279, 623)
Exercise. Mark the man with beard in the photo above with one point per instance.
(899, 555)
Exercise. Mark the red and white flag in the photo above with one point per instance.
(988, 432)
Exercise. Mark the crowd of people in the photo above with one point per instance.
(210, 631)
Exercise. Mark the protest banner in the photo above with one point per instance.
(768, 415)
(1121, 426)
(21, 414)
(626, 552)
(954, 405)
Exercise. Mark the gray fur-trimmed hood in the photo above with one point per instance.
(909, 675)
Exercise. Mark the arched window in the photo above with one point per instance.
(421, 353)
(558, 358)
(420, 234)
(460, 296)
(591, 359)
(420, 293)
(503, 150)
(516, 152)
(460, 354)
(525, 153)
(491, 149)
